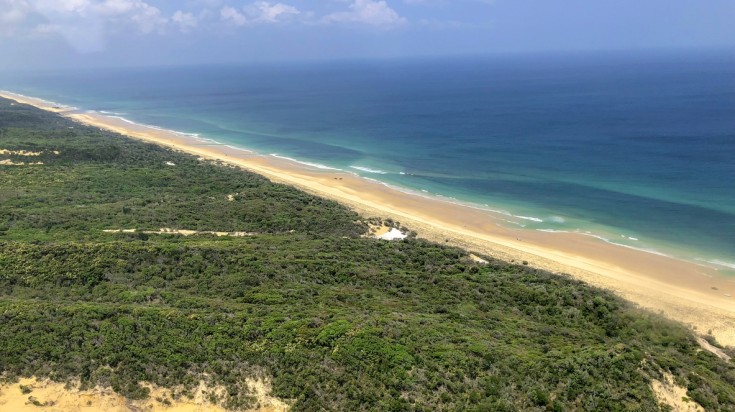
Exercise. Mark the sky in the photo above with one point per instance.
(89, 33)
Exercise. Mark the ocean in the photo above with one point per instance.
(637, 150)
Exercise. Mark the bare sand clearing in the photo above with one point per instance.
(19, 152)
(182, 232)
(696, 295)
(31, 394)
(669, 393)
(8, 162)
(713, 349)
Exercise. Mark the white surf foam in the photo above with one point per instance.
(718, 262)
(111, 113)
(240, 149)
(369, 170)
(44, 101)
(553, 231)
(531, 218)
(316, 165)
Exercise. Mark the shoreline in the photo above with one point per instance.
(694, 294)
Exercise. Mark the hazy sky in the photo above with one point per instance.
(44, 33)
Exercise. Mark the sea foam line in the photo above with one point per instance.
(316, 165)
(531, 218)
(153, 127)
(114, 115)
(606, 240)
(47, 102)
(111, 113)
(718, 262)
(240, 149)
(369, 170)
(453, 200)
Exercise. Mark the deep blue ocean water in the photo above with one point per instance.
(639, 150)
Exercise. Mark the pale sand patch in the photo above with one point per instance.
(261, 389)
(8, 162)
(377, 230)
(182, 232)
(185, 232)
(671, 394)
(58, 398)
(169, 231)
(478, 259)
(393, 234)
(713, 349)
(386, 232)
(19, 152)
(695, 295)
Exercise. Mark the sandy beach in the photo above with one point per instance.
(696, 295)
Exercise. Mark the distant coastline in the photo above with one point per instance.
(693, 293)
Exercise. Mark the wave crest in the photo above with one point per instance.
(369, 170)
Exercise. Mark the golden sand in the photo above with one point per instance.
(32, 394)
(696, 295)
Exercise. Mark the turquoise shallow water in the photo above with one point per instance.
(638, 150)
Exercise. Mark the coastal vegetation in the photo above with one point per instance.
(336, 320)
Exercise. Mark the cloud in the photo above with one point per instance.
(231, 15)
(12, 13)
(84, 24)
(445, 2)
(62, 6)
(185, 21)
(147, 18)
(264, 11)
(258, 12)
(376, 13)
(120, 7)
(135, 11)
